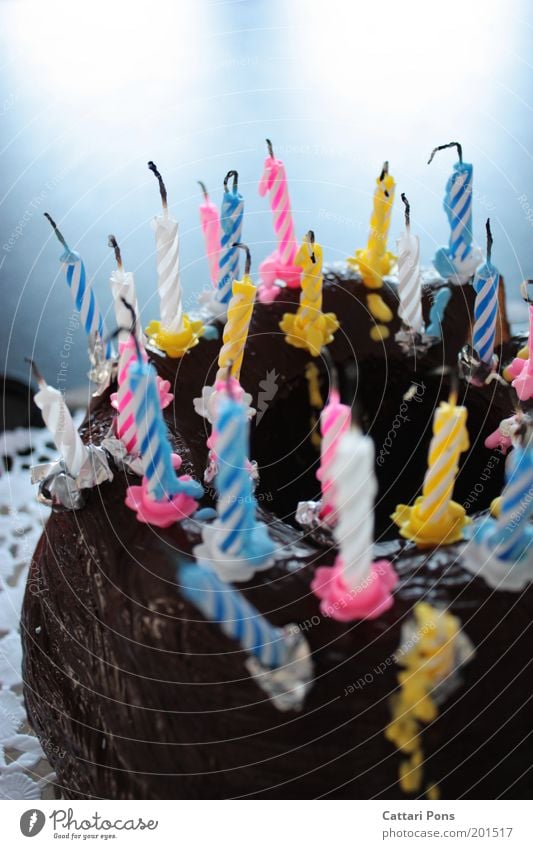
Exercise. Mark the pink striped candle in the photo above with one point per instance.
(210, 223)
(274, 181)
(334, 422)
(126, 430)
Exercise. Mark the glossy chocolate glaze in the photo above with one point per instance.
(150, 701)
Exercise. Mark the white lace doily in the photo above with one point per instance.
(24, 771)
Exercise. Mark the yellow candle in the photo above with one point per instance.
(236, 329)
(309, 328)
(375, 261)
(435, 518)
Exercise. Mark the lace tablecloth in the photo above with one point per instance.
(24, 771)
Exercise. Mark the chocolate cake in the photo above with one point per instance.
(148, 700)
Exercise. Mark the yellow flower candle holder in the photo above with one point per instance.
(175, 345)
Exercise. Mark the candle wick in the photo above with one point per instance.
(489, 240)
(454, 389)
(204, 190)
(248, 261)
(36, 372)
(270, 149)
(444, 147)
(384, 171)
(162, 188)
(227, 178)
(229, 387)
(112, 243)
(407, 211)
(310, 238)
(132, 329)
(58, 232)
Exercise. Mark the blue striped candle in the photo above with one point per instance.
(81, 291)
(237, 618)
(152, 439)
(231, 216)
(486, 305)
(512, 534)
(458, 208)
(239, 534)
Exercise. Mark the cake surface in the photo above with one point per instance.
(148, 700)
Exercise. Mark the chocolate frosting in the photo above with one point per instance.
(149, 701)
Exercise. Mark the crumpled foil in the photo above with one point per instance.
(463, 652)
(413, 342)
(117, 450)
(58, 488)
(288, 685)
(476, 372)
(102, 371)
(308, 515)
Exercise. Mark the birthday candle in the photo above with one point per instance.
(274, 181)
(512, 532)
(123, 289)
(59, 422)
(486, 284)
(459, 258)
(435, 518)
(152, 439)
(375, 261)
(126, 427)
(210, 223)
(237, 618)
(236, 504)
(309, 327)
(334, 422)
(409, 279)
(81, 290)
(231, 217)
(355, 587)
(168, 263)
(240, 311)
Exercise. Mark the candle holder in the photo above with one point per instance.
(476, 372)
(412, 342)
(58, 488)
(287, 685)
(103, 369)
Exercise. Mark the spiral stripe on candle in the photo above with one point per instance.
(283, 221)
(232, 486)
(512, 529)
(168, 274)
(59, 422)
(126, 428)
(334, 421)
(123, 287)
(355, 489)
(443, 463)
(409, 282)
(458, 206)
(85, 301)
(485, 312)
(240, 311)
(231, 221)
(235, 616)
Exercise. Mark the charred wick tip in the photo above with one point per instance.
(248, 261)
(489, 240)
(310, 236)
(407, 209)
(231, 174)
(35, 371)
(384, 171)
(444, 147)
(204, 189)
(162, 188)
(270, 148)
